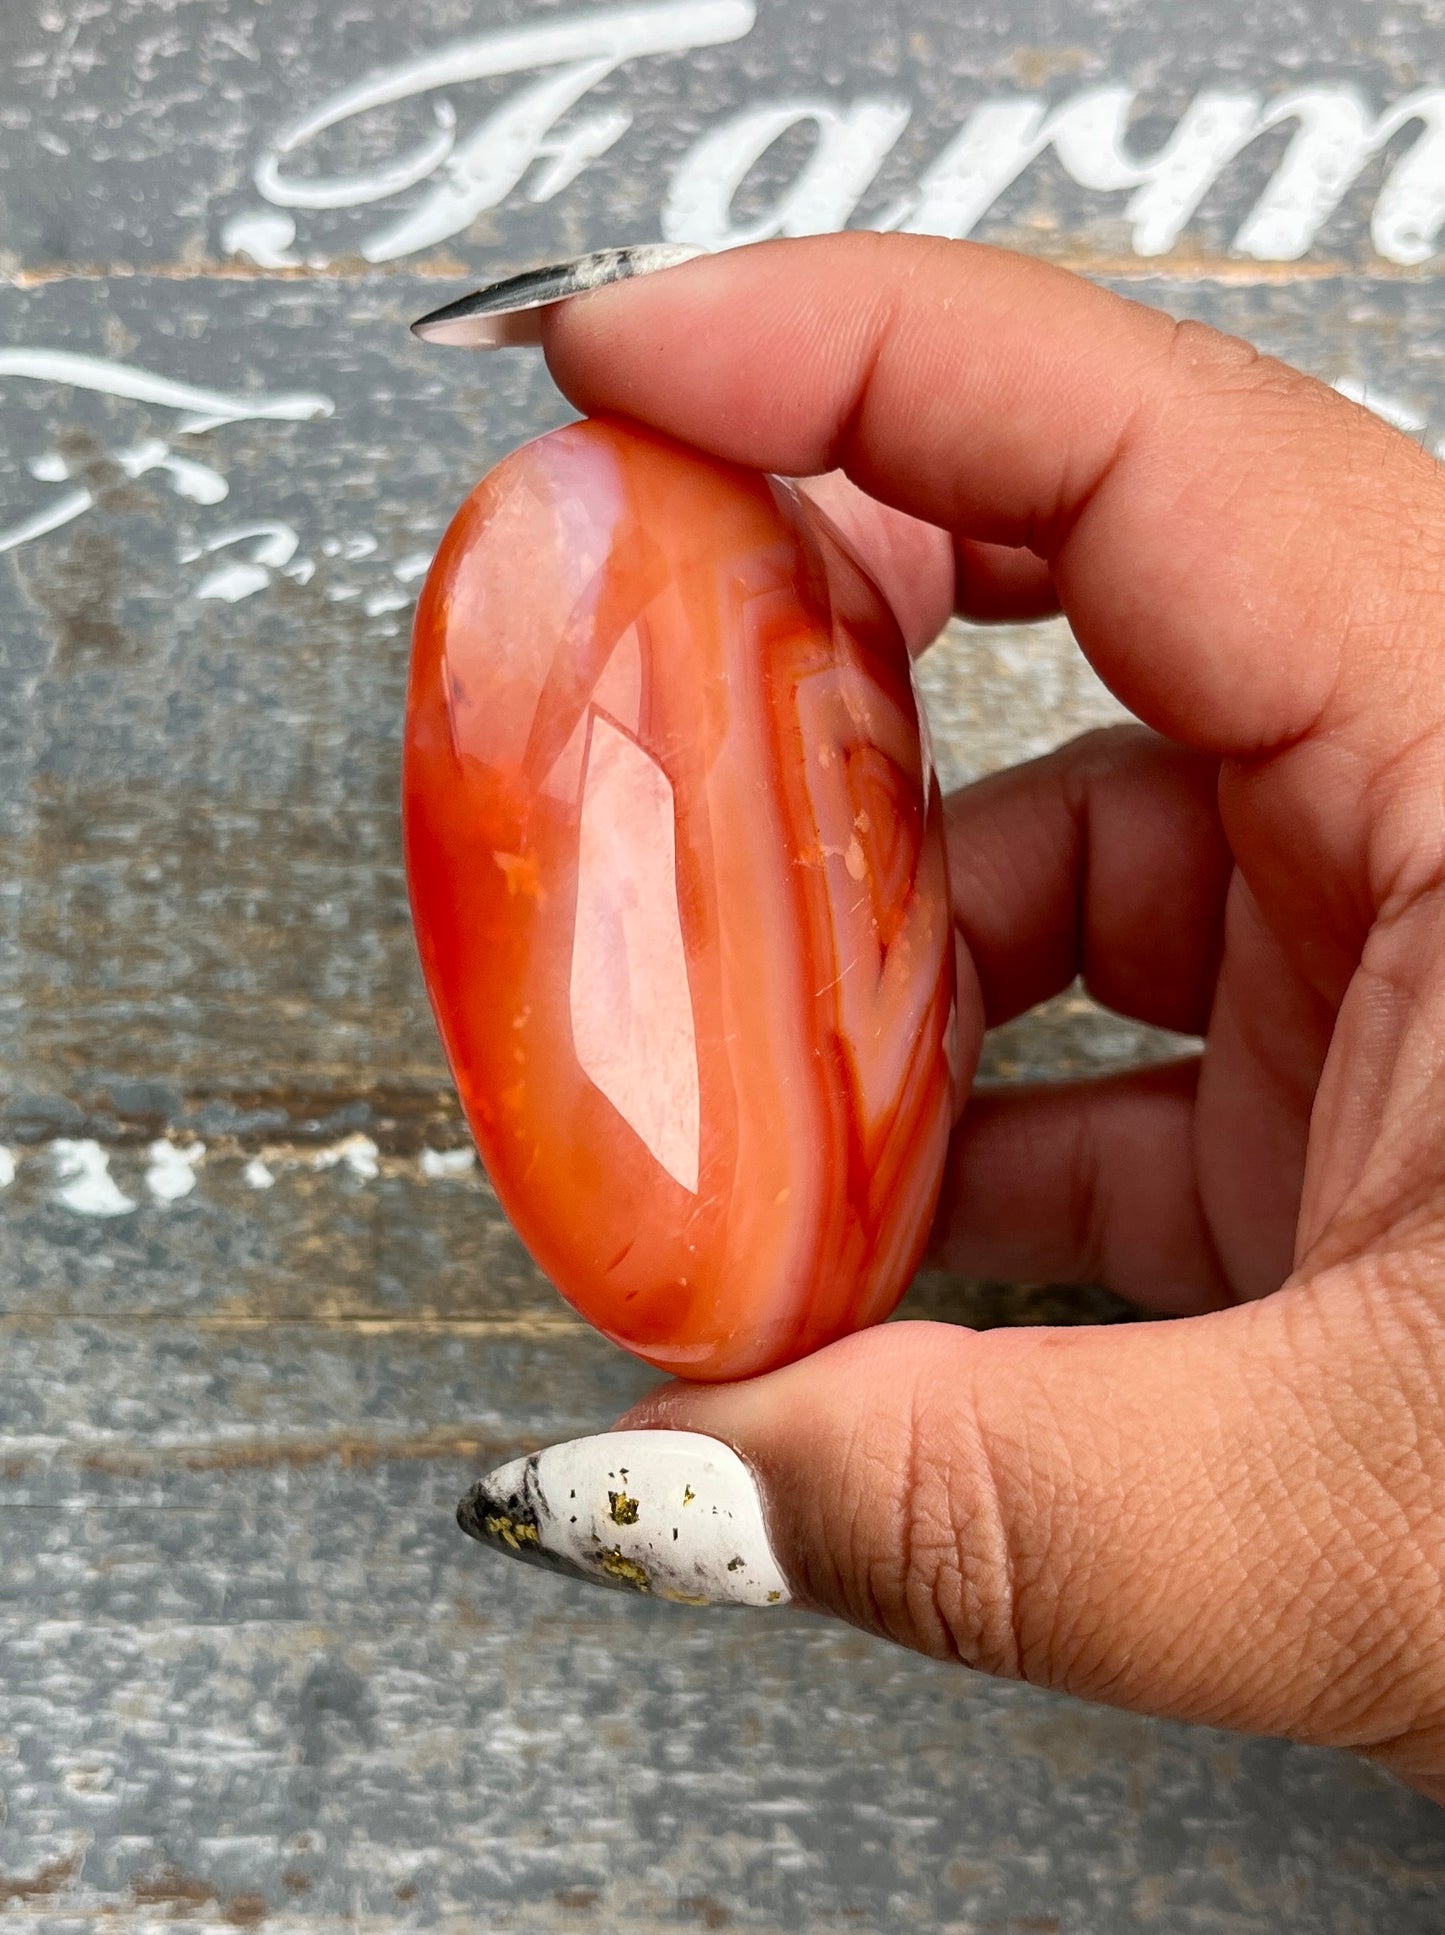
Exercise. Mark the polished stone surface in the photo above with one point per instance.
(676, 861)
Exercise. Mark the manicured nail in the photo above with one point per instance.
(508, 314)
(670, 1513)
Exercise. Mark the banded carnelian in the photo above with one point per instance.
(677, 870)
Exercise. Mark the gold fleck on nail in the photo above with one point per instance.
(511, 1531)
(627, 1571)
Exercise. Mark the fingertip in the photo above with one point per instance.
(740, 353)
(614, 346)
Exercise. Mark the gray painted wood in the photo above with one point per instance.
(250, 1675)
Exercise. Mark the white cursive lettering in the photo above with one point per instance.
(850, 148)
(534, 143)
(1336, 136)
(479, 171)
(204, 409)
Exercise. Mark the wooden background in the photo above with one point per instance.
(260, 1321)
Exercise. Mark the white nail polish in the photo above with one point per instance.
(670, 1513)
(508, 314)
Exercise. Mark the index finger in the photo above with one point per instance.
(1237, 548)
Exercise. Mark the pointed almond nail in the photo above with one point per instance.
(508, 314)
(673, 1514)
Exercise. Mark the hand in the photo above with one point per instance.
(1238, 1517)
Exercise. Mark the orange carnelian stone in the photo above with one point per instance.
(677, 869)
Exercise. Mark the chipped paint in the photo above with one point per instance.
(357, 1153)
(439, 1164)
(171, 1172)
(86, 1187)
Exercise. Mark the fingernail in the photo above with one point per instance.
(670, 1513)
(508, 314)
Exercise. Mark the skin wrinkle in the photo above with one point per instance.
(887, 1580)
(1064, 1588)
(996, 1611)
(927, 1538)
(1406, 1335)
(1194, 1639)
(1051, 534)
(875, 1563)
(1393, 974)
(1062, 1581)
(982, 1625)
(1256, 1499)
(927, 1579)
(1362, 1702)
(1375, 1647)
(1329, 1525)
(837, 1541)
(1305, 770)
(1154, 1598)
(1224, 1479)
(1416, 870)
(847, 437)
(1157, 1596)
(1277, 1057)
(1400, 1170)
(1011, 1462)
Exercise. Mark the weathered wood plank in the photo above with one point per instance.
(175, 114)
(294, 1688)
(250, 1675)
(199, 797)
(332, 1234)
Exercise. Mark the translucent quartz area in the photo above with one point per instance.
(677, 871)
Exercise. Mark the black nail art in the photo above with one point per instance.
(506, 314)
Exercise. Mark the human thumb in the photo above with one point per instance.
(1186, 1519)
